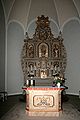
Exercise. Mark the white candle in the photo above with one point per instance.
(27, 82)
(31, 82)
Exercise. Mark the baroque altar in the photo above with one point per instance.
(43, 61)
(43, 56)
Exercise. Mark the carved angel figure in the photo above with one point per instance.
(56, 51)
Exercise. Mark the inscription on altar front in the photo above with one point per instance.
(42, 101)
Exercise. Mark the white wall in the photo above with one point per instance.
(71, 35)
(14, 47)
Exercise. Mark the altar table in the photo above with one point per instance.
(43, 100)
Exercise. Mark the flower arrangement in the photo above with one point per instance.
(57, 80)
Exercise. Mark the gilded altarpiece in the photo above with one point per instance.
(43, 55)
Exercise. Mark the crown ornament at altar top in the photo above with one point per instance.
(42, 21)
(43, 30)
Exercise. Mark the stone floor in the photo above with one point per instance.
(70, 102)
(18, 112)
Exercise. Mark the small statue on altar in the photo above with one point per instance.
(30, 51)
(56, 51)
(56, 70)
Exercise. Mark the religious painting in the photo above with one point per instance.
(43, 50)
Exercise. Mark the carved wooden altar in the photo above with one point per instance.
(43, 55)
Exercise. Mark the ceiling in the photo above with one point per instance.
(25, 11)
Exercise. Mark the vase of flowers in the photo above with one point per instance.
(58, 81)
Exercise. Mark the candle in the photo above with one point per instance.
(31, 82)
(27, 82)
